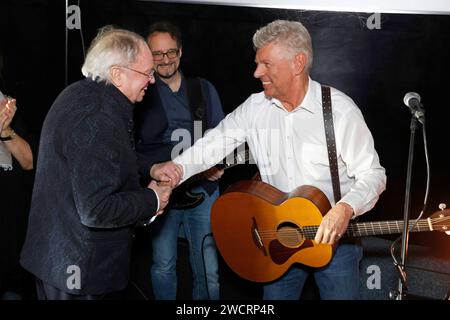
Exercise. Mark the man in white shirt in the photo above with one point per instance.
(284, 128)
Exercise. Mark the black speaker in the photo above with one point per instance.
(427, 275)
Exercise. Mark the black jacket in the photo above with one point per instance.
(86, 195)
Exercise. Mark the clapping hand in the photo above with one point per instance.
(7, 111)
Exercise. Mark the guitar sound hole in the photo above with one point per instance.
(290, 235)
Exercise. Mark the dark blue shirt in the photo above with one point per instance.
(176, 105)
(161, 112)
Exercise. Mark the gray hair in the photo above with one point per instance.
(111, 47)
(291, 34)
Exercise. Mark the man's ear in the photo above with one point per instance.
(301, 60)
(116, 76)
(181, 52)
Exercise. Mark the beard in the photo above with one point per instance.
(168, 74)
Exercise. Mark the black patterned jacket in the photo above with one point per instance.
(86, 196)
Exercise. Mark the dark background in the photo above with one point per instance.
(374, 67)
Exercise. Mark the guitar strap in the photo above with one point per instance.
(331, 142)
(196, 100)
(198, 94)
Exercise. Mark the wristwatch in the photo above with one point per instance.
(10, 137)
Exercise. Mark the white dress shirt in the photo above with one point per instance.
(290, 150)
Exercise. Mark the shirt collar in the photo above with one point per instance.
(125, 109)
(161, 83)
(312, 100)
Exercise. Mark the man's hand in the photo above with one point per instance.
(213, 174)
(7, 111)
(167, 172)
(334, 224)
(2, 120)
(163, 190)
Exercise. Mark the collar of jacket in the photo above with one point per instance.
(111, 92)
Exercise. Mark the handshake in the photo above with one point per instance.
(166, 175)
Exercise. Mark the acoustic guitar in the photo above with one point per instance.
(260, 231)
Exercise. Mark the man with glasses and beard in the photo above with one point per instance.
(172, 108)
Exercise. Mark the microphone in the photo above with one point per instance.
(412, 101)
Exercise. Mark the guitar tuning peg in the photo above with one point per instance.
(442, 206)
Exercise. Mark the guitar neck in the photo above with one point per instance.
(385, 227)
(374, 228)
(240, 158)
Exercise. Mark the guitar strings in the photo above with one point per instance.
(363, 226)
(355, 229)
(351, 228)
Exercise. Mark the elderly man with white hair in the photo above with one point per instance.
(87, 197)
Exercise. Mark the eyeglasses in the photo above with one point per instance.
(150, 75)
(171, 54)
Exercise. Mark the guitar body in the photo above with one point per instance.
(256, 229)
(261, 231)
(183, 198)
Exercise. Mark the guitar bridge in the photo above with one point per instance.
(257, 238)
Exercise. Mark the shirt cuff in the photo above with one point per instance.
(351, 206)
(184, 171)
(157, 200)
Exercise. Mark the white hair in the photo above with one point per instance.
(291, 34)
(111, 47)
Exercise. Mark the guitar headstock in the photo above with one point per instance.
(235, 158)
(440, 220)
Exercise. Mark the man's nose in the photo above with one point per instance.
(258, 72)
(166, 58)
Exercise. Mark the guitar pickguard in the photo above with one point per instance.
(280, 253)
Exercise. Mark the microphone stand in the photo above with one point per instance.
(402, 284)
(66, 51)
